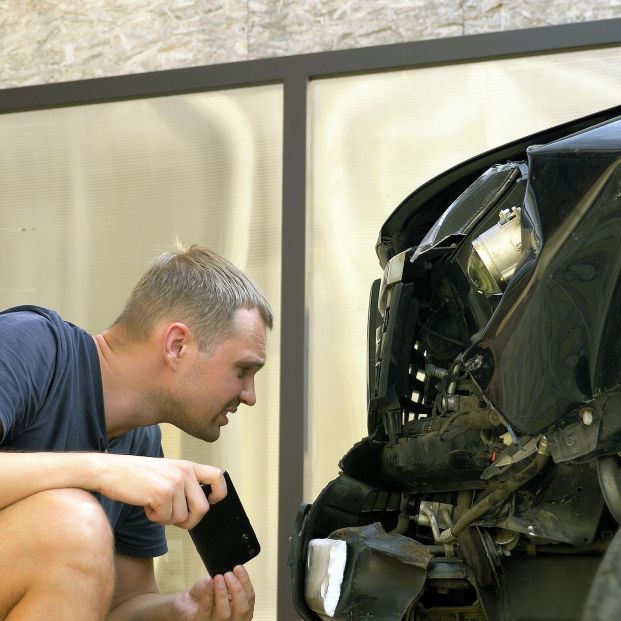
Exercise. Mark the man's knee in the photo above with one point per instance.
(59, 540)
(65, 525)
(71, 520)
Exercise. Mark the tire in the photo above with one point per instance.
(604, 600)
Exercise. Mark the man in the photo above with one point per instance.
(79, 414)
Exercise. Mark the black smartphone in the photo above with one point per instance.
(224, 537)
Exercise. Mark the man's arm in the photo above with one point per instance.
(136, 596)
(168, 489)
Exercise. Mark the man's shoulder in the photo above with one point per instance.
(40, 325)
(29, 316)
(24, 325)
(28, 362)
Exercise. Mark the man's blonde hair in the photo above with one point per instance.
(196, 286)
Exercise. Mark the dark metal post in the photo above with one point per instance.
(292, 330)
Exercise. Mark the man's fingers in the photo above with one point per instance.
(179, 507)
(196, 503)
(169, 490)
(222, 606)
(171, 510)
(239, 598)
(205, 596)
(215, 477)
(243, 577)
(162, 513)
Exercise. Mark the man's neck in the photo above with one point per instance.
(125, 368)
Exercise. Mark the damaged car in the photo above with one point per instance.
(489, 485)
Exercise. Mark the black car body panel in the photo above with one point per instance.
(494, 397)
(563, 309)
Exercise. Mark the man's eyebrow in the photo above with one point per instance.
(255, 363)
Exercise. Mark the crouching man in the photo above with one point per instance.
(85, 491)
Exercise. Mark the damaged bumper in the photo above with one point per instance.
(354, 572)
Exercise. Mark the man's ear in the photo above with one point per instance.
(178, 344)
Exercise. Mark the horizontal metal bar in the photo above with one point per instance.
(316, 65)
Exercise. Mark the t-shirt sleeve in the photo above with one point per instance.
(28, 352)
(136, 535)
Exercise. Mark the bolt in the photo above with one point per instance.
(586, 414)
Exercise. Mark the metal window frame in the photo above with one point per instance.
(295, 73)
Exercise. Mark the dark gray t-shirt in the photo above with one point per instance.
(51, 399)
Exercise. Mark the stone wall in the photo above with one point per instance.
(45, 41)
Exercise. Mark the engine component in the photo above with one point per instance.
(502, 492)
(510, 456)
(436, 515)
(437, 460)
(564, 506)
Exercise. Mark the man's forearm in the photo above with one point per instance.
(144, 607)
(150, 482)
(24, 474)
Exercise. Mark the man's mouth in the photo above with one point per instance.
(230, 410)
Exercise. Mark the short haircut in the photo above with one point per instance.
(196, 286)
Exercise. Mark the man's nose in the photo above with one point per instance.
(248, 395)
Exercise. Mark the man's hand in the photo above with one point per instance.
(225, 598)
(229, 597)
(168, 489)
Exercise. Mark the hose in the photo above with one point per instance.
(501, 493)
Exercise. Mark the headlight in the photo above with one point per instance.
(496, 252)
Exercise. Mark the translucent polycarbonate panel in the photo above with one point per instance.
(89, 194)
(373, 140)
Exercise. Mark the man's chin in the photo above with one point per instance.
(211, 435)
(207, 435)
